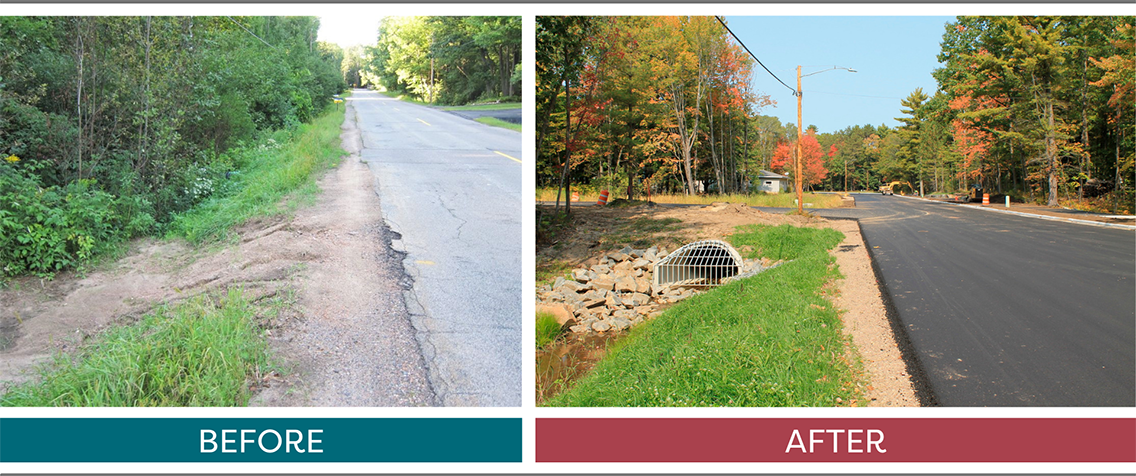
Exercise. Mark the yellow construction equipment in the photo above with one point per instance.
(903, 188)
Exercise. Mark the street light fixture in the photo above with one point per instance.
(800, 133)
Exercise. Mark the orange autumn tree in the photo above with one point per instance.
(813, 170)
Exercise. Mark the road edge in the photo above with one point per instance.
(414, 310)
(1030, 215)
(924, 393)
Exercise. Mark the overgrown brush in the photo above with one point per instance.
(267, 173)
(44, 230)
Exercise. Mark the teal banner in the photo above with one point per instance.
(324, 440)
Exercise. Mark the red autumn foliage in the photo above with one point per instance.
(812, 168)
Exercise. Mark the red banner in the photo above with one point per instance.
(909, 440)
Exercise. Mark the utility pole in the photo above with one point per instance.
(431, 80)
(800, 147)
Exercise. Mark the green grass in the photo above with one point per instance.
(485, 107)
(272, 173)
(769, 340)
(548, 270)
(493, 121)
(547, 329)
(777, 200)
(206, 351)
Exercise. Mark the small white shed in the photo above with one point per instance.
(770, 182)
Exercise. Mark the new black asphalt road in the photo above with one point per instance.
(1003, 310)
(452, 188)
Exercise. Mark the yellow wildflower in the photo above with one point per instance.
(12, 159)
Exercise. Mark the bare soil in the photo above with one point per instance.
(597, 230)
(345, 340)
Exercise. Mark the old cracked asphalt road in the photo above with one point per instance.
(1005, 310)
(451, 188)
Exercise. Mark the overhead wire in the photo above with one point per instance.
(746, 48)
(251, 33)
(855, 95)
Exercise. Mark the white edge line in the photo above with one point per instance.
(1031, 215)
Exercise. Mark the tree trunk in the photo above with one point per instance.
(1051, 151)
(565, 172)
(80, 53)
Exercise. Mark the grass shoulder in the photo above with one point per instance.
(205, 351)
(493, 121)
(273, 177)
(769, 340)
(484, 107)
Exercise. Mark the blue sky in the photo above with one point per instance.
(892, 57)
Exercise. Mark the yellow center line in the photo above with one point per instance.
(422, 261)
(424, 122)
(507, 156)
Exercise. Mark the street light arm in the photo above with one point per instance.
(850, 70)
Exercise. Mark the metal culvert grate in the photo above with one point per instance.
(702, 263)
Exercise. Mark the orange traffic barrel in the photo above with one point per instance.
(986, 199)
(575, 196)
(603, 198)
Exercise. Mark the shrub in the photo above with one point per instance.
(547, 329)
(46, 229)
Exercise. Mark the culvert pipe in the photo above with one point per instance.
(701, 263)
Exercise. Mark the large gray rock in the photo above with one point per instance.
(624, 314)
(559, 282)
(639, 299)
(641, 263)
(581, 275)
(613, 300)
(604, 282)
(642, 285)
(597, 294)
(617, 257)
(594, 303)
(570, 286)
(620, 323)
(625, 284)
(570, 297)
(601, 326)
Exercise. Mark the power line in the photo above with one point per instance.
(251, 33)
(856, 95)
(753, 55)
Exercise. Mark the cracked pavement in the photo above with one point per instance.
(454, 203)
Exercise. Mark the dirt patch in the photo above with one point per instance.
(346, 339)
(594, 231)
